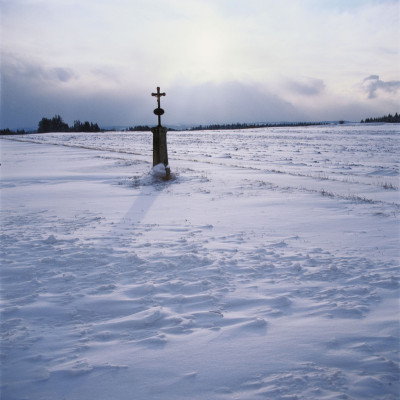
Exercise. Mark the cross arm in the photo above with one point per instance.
(158, 94)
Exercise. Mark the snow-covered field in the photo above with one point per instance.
(267, 269)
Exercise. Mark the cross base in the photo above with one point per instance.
(160, 153)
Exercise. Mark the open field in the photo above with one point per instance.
(266, 269)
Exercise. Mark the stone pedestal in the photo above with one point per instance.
(160, 153)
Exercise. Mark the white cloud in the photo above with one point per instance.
(373, 86)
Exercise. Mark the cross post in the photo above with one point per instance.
(160, 154)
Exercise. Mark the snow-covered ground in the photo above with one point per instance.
(267, 269)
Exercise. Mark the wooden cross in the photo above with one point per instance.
(158, 94)
(159, 111)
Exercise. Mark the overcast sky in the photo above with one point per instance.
(218, 60)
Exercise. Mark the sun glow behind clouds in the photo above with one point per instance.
(208, 51)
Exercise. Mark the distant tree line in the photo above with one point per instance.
(10, 132)
(56, 124)
(85, 127)
(387, 118)
(252, 125)
(139, 128)
(143, 128)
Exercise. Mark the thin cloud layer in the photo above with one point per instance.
(227, 102)
(223, 61)
(26, 70)
(307, 86)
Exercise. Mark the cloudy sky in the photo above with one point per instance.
(218, 60)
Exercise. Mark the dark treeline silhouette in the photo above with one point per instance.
(387, 118)
(85, 127)
(10, 132)
(56, 124)
(250, 126)
(139, 128)
(143, 128)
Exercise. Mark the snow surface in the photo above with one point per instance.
(267, 268)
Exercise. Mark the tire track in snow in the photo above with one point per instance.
(323, 191)
(79, 146)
